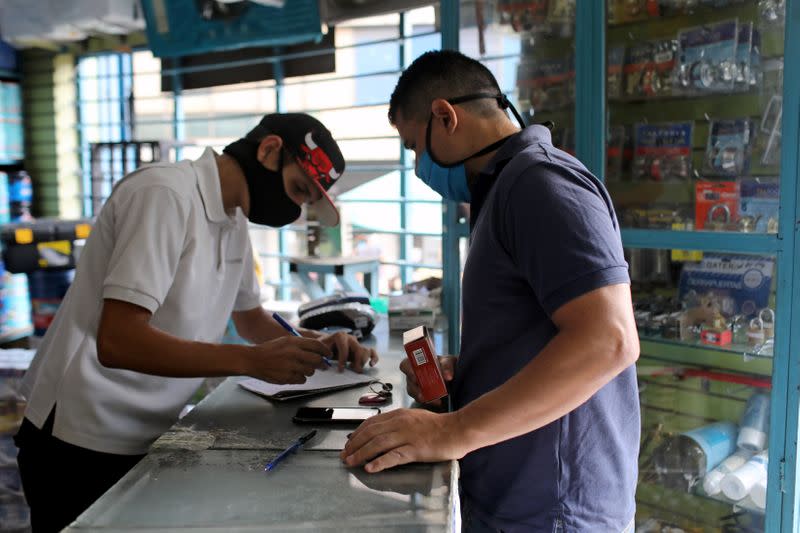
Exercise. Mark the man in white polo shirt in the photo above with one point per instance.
(169, 261)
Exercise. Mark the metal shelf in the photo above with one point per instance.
(732, 357)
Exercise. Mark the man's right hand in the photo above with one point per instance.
(448, 365)
(287, 359)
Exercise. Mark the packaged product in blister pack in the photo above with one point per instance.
(756, 73)
(650, 69)
(662, 80)
(773, 12)
(523, 16)
(758, 205)
(662, 152)
(728, 149)
(770, 138)
(615, 155)
(716, 205)
(638, 60)
(707, 58)
(616, 62)
(744, 58)
(547, 83)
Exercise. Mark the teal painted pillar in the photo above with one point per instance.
(590, 85)
(451, 261)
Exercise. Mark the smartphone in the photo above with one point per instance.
(334, 415)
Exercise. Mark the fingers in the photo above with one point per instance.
(347, 348)
(398, 456)
(310, 345)
(448, 365)
(412, 387)
(341, 343)
(366, 442)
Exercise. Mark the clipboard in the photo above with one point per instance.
(321, 382)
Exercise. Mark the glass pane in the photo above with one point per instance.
(694, 101)
(152, 109)
(707, 325)
(530, 48)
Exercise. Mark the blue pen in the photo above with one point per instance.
(290, 450)
(288, 327)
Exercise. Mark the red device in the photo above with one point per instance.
(419, 350)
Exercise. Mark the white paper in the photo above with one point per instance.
(321, 380)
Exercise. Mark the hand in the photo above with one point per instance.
(286, 359)
(348, 348)
(448, 366)
(404, 436)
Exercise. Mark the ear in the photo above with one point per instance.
(269, 150)
(444, 111)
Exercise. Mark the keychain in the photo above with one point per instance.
(377, 397)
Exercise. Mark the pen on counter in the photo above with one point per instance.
(290, 450)
(288, 327)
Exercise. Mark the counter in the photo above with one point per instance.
(207, 472)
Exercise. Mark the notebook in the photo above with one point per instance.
(320, 383)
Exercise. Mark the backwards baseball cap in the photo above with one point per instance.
(314, 149)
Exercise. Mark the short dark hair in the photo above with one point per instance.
(442, 74)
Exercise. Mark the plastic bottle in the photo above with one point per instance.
(739, 483)
(759, 494)
(755, 424)
(713, 480)
(682, 460)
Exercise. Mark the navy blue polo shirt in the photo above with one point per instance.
(544, 233)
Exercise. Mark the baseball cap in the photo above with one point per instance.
(314, 149)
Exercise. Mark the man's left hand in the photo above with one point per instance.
(404, 436)
(349, 349)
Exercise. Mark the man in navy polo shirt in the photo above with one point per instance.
(546, 419)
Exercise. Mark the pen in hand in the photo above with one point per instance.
(288, 327)
(290, 450)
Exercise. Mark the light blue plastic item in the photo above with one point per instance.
(755, 423)
(718, 441)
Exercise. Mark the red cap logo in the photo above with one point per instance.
(316, 163)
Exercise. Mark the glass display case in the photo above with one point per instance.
(682, 107)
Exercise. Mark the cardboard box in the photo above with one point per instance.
(422, 356)
(405, 319)
(716, 337)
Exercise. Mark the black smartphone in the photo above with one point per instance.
(334, 415)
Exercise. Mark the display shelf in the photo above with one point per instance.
(682, 508)
(694, 504)
(666, 27)
(707, 241)
(733, 357)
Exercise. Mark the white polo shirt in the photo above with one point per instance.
(163, 241)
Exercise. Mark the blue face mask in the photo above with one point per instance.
(450, 180)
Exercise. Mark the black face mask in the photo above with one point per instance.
(269, 203)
